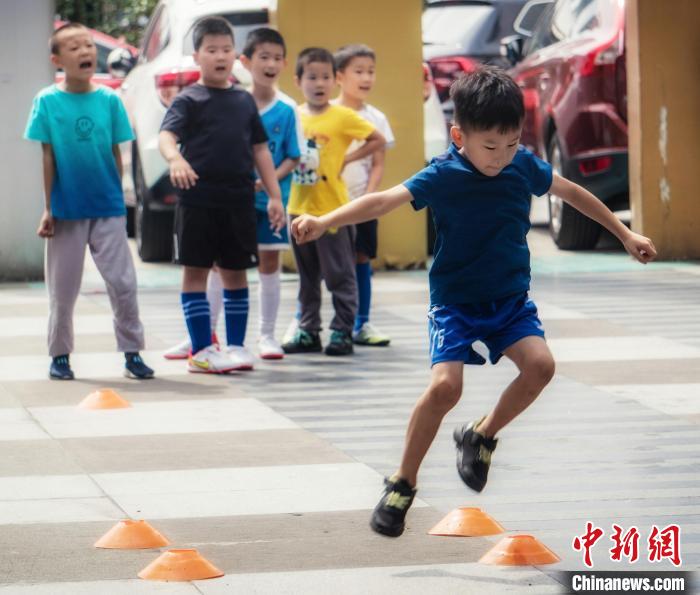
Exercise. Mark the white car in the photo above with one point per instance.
(164, 67)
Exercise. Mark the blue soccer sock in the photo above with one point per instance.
(363, 271)
(197, 318)
(236, 311)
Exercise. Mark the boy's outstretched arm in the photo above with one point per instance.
(639, 246)
(373, 142)
(307, 228)
(266, 168)
(46, 224)
(181, 173)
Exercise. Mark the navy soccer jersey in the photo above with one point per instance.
(283, 132)
(481, 223)
(217, 129)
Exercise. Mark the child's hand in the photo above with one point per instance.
(181, 174)
(46, 227)
(307, 228)
(640, 247)
(275, 213)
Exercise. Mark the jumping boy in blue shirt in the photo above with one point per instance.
(479, 193)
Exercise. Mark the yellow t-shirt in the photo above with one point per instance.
(333, 131)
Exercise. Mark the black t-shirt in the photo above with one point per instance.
(217, 129)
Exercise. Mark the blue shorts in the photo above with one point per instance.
(498, 324)
(267, 239)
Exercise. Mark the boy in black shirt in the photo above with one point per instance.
(222, 141)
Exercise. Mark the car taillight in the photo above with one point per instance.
(596, 165)
(169, 84)
(447, 70)
(427, 82)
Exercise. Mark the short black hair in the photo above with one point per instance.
(309, 55)
(54, 44)
(210, 26)
(356, 50)
(262, 35)
(487, 98)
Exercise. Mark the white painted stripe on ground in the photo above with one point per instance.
(17, 424)
(466, 579)
(244, 491)
(39, 487)
(672, 399)
(59, 510)
(165, 417)
(591, 349)
(85, 365)
(117, 587)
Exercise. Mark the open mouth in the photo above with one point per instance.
(270, 75)
(366, 89)
(319, 93)
(85, 65)
(220, 69)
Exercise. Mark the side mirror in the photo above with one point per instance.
(512, 48)
(527, 18)
(120, 62)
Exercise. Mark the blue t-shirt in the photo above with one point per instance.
(82, 128)
(283, 131)
(481, 224)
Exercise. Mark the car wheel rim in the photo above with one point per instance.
(556, 204)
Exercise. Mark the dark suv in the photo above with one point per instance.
(458, 35)
(572, 73)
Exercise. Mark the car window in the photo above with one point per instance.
(242, 23)
(102, 53)
(573, 18)
(542, 34)
(452, 25)
(158, 35)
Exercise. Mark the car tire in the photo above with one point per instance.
(570, 229)
(153, 229)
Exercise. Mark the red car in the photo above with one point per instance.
(105, 44)
(571, 68)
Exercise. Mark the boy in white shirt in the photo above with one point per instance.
(356, 65)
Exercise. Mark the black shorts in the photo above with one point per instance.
(204, 236)
(366, 238)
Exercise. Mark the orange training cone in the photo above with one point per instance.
(519, 550)
(132, 535)
(467, 522)
(104, 398)
(180, 565)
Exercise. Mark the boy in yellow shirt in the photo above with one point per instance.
(318, 189)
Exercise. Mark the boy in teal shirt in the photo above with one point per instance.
(80, 126)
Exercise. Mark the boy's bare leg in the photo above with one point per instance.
(269, 261)
(442, 395)
(194, 279)
(233, 279)
(536, 365)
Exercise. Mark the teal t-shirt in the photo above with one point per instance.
(82, 129)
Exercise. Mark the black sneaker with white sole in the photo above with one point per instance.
(389, 515)
(135, 367)
(474, 452)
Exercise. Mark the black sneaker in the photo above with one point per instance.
(389, 515)
(340, 344)
(473, 455)
(134, 367)
(60, 368)
(303, 342)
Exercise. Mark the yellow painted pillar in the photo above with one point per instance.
(663, 62)
(393, 29)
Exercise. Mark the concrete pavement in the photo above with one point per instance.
(272, 474)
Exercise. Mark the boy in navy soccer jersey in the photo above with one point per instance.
(479, 193)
